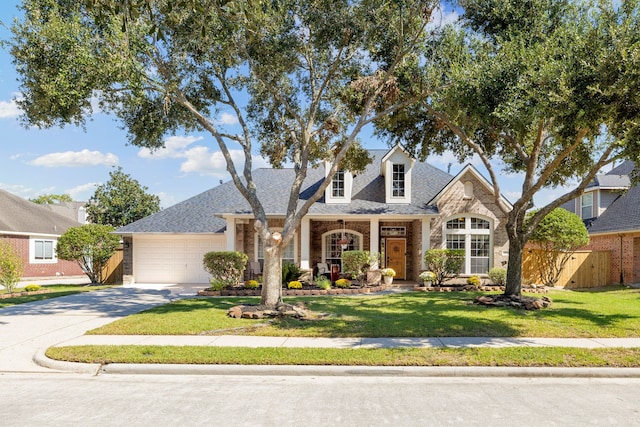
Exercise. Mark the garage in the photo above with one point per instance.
(173, 259)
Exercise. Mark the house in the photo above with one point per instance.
(397, 206)
(610, 208)
(33, 230)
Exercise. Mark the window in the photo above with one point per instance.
(586, 206)
(473, 235)
(337, 184)
(338, 241)
(397, 181)
(287, 256)
(43, 251)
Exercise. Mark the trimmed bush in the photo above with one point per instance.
(498, 276)
(357, 263)
(226, 267)
(323, 282)
(444, 263)
(290, 272)
(32, 288)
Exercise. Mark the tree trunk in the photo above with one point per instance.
(514, 267)
(272, 277)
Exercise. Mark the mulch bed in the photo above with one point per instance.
(307, 290)
(24, 293)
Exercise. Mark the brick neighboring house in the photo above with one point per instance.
(397, 206)
(34, 231)
(611, 211)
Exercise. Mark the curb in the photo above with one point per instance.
(334, 371)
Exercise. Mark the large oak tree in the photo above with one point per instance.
(303, 78)
(548, 89)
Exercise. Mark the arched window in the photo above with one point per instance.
(474, 235)
(337, 241)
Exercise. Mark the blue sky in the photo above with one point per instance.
(71, 160)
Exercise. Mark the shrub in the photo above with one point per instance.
(356, 263)
(323, 282)
(91, 246)
(217, 285)
(251, 284)
(444, 263)
(474, 281)
(388, 272)
(226, 267)
(498, 276)
(294, 284)
(290, 272)
(32, 288)
(10, 266)
(343, 283)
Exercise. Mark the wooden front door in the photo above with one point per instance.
(395, 251)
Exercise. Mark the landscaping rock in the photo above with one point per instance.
(528, 303)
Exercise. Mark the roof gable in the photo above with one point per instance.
(20, 216)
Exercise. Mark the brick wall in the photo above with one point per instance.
(66, 268)
(629, 244)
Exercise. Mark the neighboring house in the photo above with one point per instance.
(73, 210)
(397, 206)
(34, 231)
(611, 211)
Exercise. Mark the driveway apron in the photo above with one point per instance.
(28, 328)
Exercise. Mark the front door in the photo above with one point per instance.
(396, 259)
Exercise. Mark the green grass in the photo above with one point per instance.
(56, 291)
(609, 313)
(515, 356)
(613, 312)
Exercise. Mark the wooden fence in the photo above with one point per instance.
(112, 272)
(585, 269)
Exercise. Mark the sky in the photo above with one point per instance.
(74, 161)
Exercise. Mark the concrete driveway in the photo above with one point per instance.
(26, 329)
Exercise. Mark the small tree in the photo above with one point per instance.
(91, 246)
(357, 263)
(52, 199)
(444, 263)
(121, 201)
(225, 267)
(10, 266)
(558, 236)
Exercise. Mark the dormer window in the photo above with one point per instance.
(337, 184)
(396, 168)
(398, 181)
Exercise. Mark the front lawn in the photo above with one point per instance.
(606, 313)
(613, 312)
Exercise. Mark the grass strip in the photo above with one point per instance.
(56, 291)
(507, 357)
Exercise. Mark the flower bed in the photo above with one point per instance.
(307, 290)
(467, 288)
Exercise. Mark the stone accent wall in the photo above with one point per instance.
(614, 243)
(60, 268)
(481, 203)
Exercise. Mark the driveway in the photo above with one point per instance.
(26, 329)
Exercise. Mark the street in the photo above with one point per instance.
(60, 399)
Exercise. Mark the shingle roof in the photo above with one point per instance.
(199, 214)
(624, 213)
(617, 177)
(18, 215)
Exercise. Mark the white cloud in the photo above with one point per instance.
(200, 160)
(174, 147)
(9, 109)
(227, 119)
(76, 159)
(84, 191)
(166, 200)
(17, 189)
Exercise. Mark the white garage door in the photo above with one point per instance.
(173, 259)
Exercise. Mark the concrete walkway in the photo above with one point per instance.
(27, 330)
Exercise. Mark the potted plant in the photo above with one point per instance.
(387, 275)
(427, 278)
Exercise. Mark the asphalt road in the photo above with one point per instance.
(157, 400)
